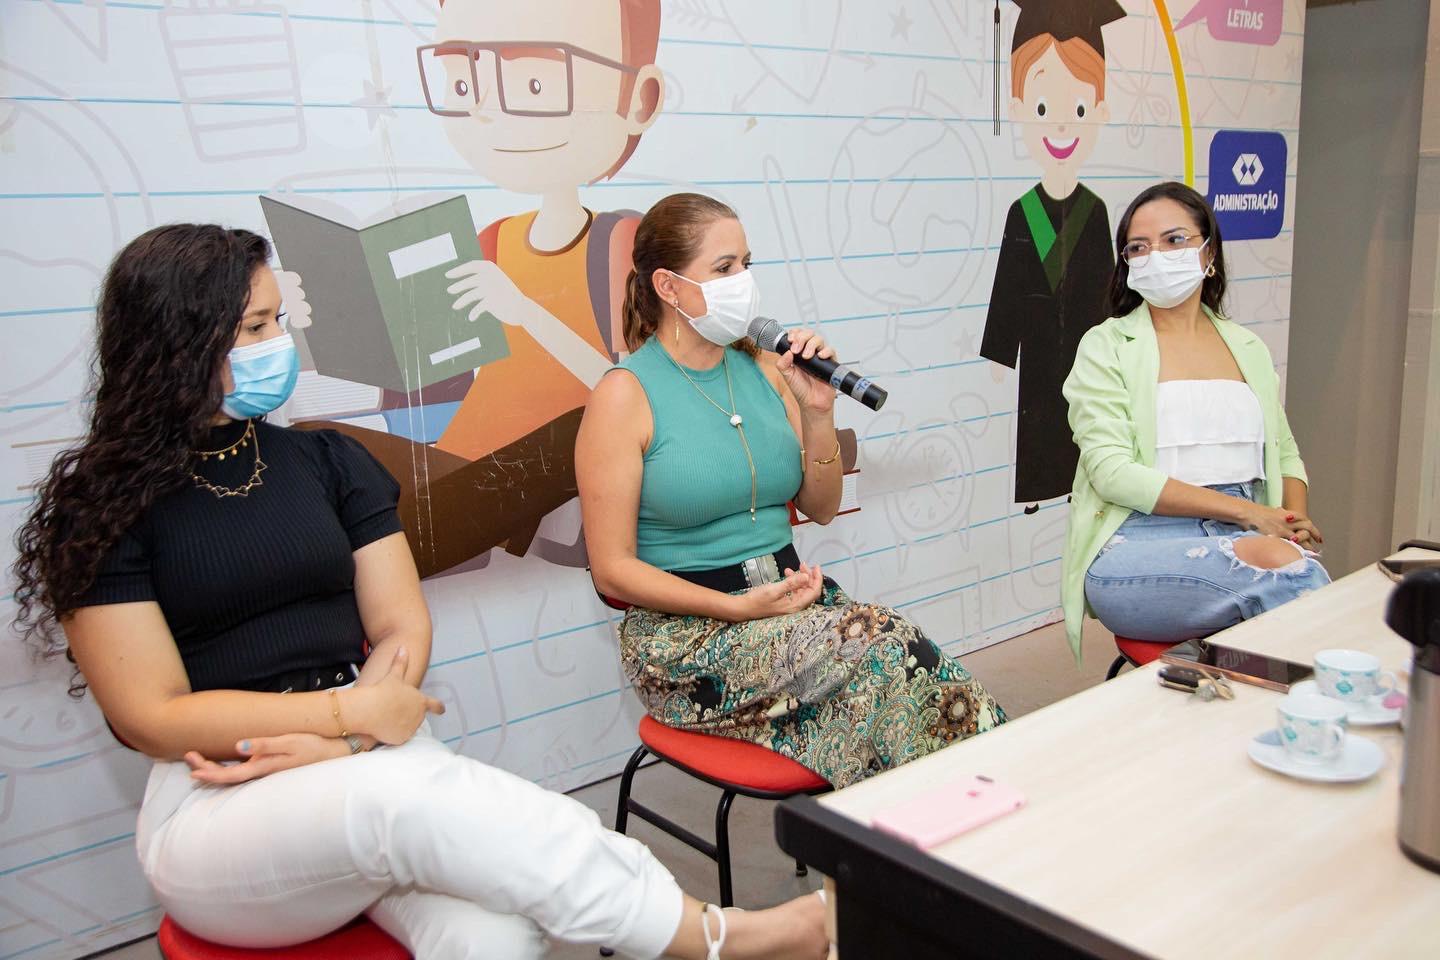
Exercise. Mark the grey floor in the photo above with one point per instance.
(1024, 674)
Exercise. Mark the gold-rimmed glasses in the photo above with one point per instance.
(1171, 246)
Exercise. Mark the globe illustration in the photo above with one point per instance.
(908, 205)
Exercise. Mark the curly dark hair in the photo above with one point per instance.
(1123, 300)
(169, 312)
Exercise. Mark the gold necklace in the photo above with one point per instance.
(246, 438)
(733, 413)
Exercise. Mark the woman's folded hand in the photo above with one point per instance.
(388, 709)
(798, 590)
(266, 755)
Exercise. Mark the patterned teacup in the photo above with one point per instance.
(1311, 727)
(1351, 676)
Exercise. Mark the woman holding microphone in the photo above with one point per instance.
(687, 460)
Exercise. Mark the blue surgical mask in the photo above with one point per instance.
(264, 374)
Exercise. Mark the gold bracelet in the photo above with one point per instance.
(335, 711)
(833, 457)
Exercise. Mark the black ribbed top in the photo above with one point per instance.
(263, 585)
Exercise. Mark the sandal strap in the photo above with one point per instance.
(713, 944)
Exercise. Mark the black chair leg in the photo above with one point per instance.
(1115, 668)
(622, 812)
(722, 847)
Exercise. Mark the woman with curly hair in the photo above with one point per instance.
(688, 458)
(220, 582)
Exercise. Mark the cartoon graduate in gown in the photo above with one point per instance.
(1056, 256)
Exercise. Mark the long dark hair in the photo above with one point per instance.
(1212, 292)
(667, 238)
(169, 311)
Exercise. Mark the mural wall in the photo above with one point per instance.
(453, 193)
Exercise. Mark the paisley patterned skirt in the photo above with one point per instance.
(847, 689)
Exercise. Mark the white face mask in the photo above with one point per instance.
(1164, 282)
(731, 303)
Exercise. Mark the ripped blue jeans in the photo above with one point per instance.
(1174, 578)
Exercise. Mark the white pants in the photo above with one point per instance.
(453, 858)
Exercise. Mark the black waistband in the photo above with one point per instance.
(732, 578)
(313, 678)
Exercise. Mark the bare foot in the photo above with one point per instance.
(791, 931)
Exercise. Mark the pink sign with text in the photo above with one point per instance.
(1239, 21)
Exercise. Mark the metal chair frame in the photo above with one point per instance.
(719, 850)
(1117, 666)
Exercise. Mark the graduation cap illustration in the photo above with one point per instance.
(1063, 20)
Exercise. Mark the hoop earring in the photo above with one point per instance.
(1210, 270)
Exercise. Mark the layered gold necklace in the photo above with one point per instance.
(248, 438)
(733, 414)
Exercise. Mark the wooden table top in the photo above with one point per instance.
(1147, 822)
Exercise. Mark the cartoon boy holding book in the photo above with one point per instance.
(539, 99)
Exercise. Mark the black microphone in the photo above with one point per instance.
(771, 336)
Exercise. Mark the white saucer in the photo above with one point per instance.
(1361, 760)
(1368, 713)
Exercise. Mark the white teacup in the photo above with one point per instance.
(1311, 727)
(1351, 676)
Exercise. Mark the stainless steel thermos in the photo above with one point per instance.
(1414, 613)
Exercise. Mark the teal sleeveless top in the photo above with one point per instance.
(695, 493)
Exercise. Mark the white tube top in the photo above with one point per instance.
(1209, 432)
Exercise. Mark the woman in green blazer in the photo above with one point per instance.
(1189, 511)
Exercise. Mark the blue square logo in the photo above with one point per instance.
(1247, 183)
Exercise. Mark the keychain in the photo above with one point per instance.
(1197, 681)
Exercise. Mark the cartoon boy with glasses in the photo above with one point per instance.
(539, 99)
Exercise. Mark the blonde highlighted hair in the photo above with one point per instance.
(668, 238)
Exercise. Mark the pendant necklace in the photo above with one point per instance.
(733, 414)
(246, 439)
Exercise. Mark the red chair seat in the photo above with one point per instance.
(359, 940)
(1141, 652)
(729, 762)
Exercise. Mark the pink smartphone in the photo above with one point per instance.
(948, 811)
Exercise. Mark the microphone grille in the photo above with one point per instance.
(766, 332)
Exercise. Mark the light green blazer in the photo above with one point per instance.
(1111, 391)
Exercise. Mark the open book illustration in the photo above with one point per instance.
(380, 315)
